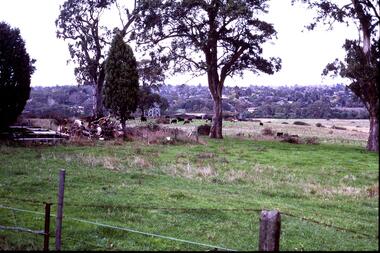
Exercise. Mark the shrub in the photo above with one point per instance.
(163, 121)
(290, 139)
(312, 140)
(152, 126)
(267, 131)
(204, 129)
(318, 125)
(300, 123)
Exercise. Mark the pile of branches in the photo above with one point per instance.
(103, 129)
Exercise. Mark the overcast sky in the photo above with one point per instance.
(303, 54)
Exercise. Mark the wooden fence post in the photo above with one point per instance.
(270, 229)
(47, 226)
(58, 230)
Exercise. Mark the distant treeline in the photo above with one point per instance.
(247, 102)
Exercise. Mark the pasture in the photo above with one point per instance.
(209, 193)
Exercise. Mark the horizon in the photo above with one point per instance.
(195, 85)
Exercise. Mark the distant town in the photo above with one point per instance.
(243, 102)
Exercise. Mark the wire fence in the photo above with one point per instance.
(189, 209)
(176, 209)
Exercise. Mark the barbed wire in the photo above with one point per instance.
(330, 225)
(21, 229)
(125, 229)
(112, 206)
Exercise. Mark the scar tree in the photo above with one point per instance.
(219, 38)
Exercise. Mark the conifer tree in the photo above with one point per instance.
(16, 69)
(121, 87)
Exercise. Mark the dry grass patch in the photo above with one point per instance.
(141, 163)
(207, 173)
(109, 162)
(255, 174)
(330, 192)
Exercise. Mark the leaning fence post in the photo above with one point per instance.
(270, 229)
(58, 230)
(47, 226)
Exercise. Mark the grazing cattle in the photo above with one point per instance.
(174, 121)
(180, 119)
(261, 124)
(280, 134)
(143, 118)
(186, 122)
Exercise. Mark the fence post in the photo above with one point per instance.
(47, 226)
(270, 229)
(58, 230)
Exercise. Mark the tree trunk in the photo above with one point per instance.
(373, 139)
(98, 104)
(123, 126)
(217, 119)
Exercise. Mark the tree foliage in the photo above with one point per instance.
(148, 99)
(219, 38)
(80, 23)
(361, 64)
(16, 69)
(121, 87)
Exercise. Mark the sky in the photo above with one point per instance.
(304, 53)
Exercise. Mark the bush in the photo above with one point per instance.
(300, 123)
(290, 139)
(267, 131)
(312, 140)
(152, 126)
(204, 129)
(163, 121)
(319, 125)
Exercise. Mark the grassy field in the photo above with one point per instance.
(209, 193)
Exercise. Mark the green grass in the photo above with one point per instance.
(183, 191)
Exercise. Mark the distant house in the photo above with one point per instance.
(251, 109)
(153, 112)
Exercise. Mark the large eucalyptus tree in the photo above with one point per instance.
(361, 64)
(219, 38)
